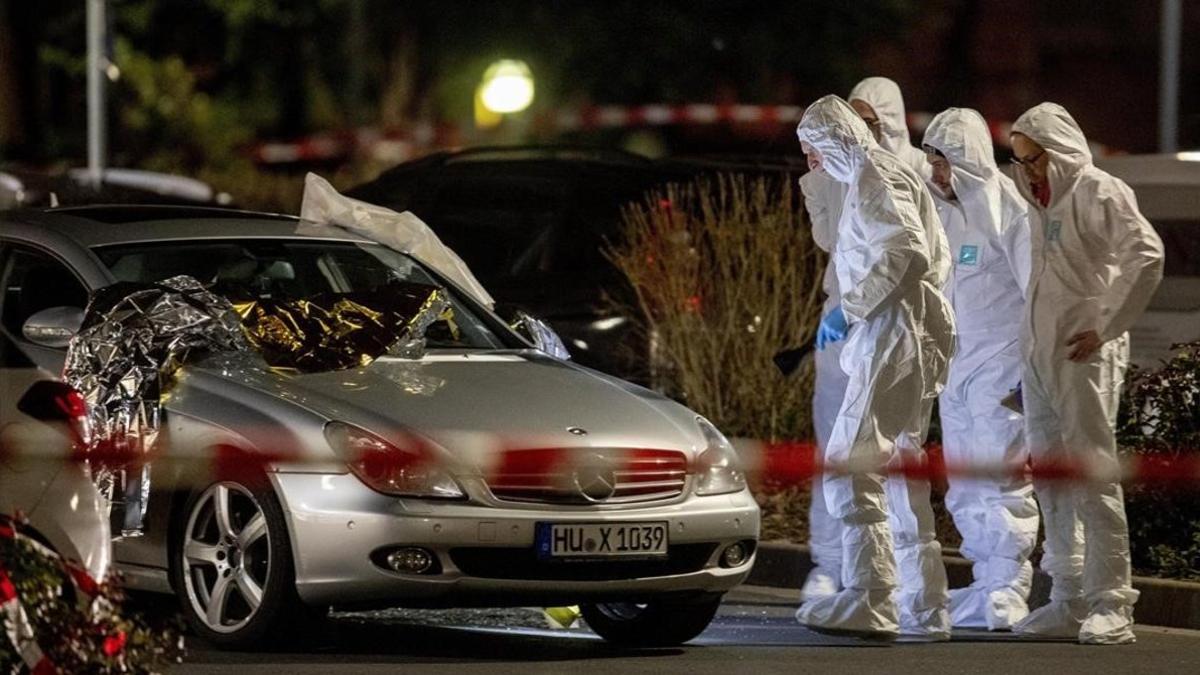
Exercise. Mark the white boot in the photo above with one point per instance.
(922, 596)
(820, 583)
(1004, 609)
(1007, 601)
(1108, 625)
(1057, 619)
(969, 607)
(930, 625)
(864, 607)
(852, 611)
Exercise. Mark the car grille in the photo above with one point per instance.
(523, 563)
(589, 475)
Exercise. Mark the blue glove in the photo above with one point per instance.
(833, 328)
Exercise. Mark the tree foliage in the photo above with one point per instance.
(1160, 423)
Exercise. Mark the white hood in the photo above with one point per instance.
(1052, 127)
(963, 138)
(883, 95)
(832, 127)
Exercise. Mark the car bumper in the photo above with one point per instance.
(485, 553)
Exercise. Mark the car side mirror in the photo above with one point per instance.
(53, 327)
(541, 335)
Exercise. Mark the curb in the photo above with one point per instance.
(1163, 602)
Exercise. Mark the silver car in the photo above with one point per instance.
(55, 502)
(532, 481)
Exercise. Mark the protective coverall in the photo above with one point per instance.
(884, 97)
(823, 198)
(1096, 263)
(891, 257)
(987, 226)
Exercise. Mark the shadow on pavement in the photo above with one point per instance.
(354, 641)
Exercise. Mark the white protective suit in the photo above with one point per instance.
(987, 226)
(1096, 263)
(891, 258)
(883, 95)
(823, 198)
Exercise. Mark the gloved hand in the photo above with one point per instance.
(833, 328)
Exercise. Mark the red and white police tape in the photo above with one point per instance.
(398, 145)
(497, 459)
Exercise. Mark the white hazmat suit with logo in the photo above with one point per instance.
(1096, 263)
(891, 258)
(987, 225)
(823, 198)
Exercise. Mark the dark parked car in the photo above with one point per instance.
(25, 188)
(532, 223)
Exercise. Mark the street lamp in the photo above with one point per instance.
(507, 87)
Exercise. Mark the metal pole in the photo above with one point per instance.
(356, 78)
(97, 26)
(1168, 76)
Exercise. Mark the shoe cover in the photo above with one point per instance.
(929, 625)
(1004, 608)
(969, 607)
(852, 612)
(819, 584)
(1059, 618)
(1108, 626)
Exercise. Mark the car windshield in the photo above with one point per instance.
(293, 268)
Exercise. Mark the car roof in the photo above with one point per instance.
(1167, 185)
(1180, 169)
(102, 225)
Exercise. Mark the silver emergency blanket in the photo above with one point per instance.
(135, 336)
(123, 360)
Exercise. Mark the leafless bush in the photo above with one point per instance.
(725, 274)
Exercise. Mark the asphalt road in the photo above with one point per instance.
(754, 633)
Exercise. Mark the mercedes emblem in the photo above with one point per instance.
(595, 479)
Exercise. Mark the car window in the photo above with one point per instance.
(32, 281)
(532, 229)
(245, 269)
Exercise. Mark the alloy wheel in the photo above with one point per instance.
(225, 557)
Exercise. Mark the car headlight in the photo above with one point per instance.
(719, 470)
(388, 468)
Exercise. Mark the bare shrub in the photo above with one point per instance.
(724, 275)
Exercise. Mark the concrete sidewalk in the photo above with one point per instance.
(1163, 602)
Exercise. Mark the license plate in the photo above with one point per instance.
(601, 540)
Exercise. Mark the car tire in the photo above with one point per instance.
(243, 559)
(665, 622)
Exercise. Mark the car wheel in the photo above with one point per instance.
(232, 566)
(658, 623)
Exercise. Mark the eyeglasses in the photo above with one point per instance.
(1027, 162)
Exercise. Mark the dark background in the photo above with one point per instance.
(202, 81)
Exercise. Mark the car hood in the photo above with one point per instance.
(518, 399)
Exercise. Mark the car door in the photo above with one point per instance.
(23, 479)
